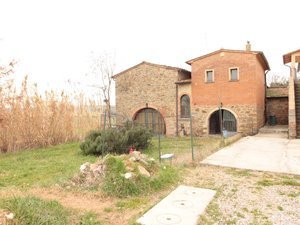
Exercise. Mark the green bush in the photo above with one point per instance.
(116, 140)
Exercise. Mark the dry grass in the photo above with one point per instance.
(29, 119)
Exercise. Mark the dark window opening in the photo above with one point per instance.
(228, 122)
(151, 119)
(185, 106)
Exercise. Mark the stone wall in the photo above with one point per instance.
(278, 107)
(246, 116)
(147, 86)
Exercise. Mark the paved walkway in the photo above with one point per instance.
(261, 152)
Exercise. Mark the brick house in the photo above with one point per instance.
(225, 89)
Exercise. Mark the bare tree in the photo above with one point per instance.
(103, 69)
(278, 81)
(6, 70)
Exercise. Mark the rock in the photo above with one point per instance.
(9, 216)
(84, 168)
(97, 169)
(136, 155)
(128, 175)
(143, 171)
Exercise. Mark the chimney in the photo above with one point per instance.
(248, 46)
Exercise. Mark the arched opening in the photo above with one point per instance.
(151, 119)
(185, 106)
(228, 122)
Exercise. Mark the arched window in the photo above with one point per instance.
(151, 119)
(185, 106)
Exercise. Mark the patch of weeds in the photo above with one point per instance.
(240, 215)
(280, 208)
(290, 182)
(89, 218)
(245, 209)
(256, 213)
(285, 182)
(35, 211)
(213, 211)
(266, 182)
(294, 194)
(204, 220)
(132, 203)
(108, 209)
(133, 222)
(239, 173)
(269, 206)
(234, 190)
(231, 221)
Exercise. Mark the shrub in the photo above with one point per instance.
(116, 140)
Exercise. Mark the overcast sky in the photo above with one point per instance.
(53, 40)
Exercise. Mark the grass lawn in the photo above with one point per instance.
(181, 147)
(243, 196)
(41, 166)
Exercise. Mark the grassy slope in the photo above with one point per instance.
(41, 166)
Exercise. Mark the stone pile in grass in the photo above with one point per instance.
(135, 164)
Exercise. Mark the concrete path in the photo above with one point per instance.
(261, 152)
(181, 207)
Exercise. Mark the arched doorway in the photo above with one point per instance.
(228, 122)
(151, 119)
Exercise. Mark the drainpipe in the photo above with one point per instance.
(176, 109)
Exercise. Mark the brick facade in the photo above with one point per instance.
(161, 88)
(244, 98)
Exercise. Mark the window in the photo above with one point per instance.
(209, 76)
(234, 74)
(185, 106)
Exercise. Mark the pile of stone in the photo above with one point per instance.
(7, 218)
(93, 173)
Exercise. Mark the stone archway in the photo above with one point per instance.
(228, 119)
(151, 119)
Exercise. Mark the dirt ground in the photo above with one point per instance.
(243, 197)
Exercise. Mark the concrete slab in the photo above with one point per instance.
(182, 206)
(266, 153)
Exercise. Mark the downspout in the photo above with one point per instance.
(176, 109)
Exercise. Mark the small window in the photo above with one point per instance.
(234, 74)
(185, 106)
(209, 76)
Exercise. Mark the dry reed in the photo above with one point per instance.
(31, 120)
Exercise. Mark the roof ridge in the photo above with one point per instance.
(231, 50)
(152, 64)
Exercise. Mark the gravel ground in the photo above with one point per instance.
(248, 197)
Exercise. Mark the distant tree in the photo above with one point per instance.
(103, 69)
(278, 81)
(6, 70)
